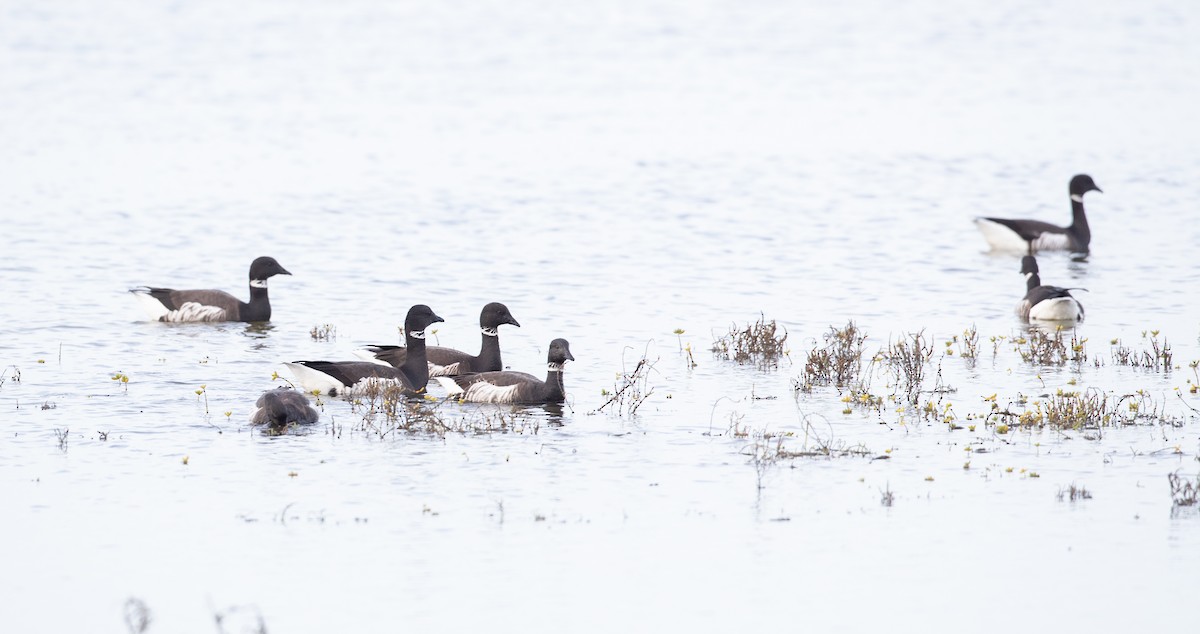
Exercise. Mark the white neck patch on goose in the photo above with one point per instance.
(490, 332)
(1077, 197)
(417, 334)
(258, 283)
(554, 367)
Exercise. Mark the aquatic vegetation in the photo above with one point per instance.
(968, 346)
(1090, 410)
(15, 374)
(123, 379)
(63, 436)
(1041, 347)
(759, 342)
(838, 362)
(887, 497)
(905, 361)
(630, 388)
(384, 409)
(323, 332)
(1074, 493)
(1157, 357)
(1183, 492)
(203, 393)
(137, 615)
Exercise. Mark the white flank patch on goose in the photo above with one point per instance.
(1057, 309)
(192, 311)
(484, 392)
(154, 308)
(1000, 237)
(1052, 242)
(450, 369)
(314, 381)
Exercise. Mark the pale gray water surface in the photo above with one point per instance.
(612, 171)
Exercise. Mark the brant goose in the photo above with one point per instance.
(342, 377)
(1035, 235)
(451, 362)
(514, 387)
(165, 304)
(1046, 303)
(282, 406)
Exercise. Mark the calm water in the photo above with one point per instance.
(612, 171)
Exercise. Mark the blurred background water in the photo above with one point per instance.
(612, 171)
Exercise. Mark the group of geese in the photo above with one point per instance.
(482, 378)
(1043, 302)
(477, 378)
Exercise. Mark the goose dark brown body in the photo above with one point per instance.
(515, 387)
(176, 306)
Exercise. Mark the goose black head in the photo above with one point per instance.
(1028, 265)
(1082, 184)
(496, 314)
(560, 352)
(264, 267)
(419, 318)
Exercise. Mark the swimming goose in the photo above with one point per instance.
(514, 387)
(451, 362)
(165, 304)
(1046, 303)
(281, 406)
(345, 377)
(1035, 235)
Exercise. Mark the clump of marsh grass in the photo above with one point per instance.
(386, 407)
(968, 345)
(1091, 409)
(1184, 492)
(1157, 357)
(323, 332)
(63, 436)
(761, 342)
(905, 361)
(630, 388)
(838, 362)
(1074, 493)
(1040, 347)
(886, 497)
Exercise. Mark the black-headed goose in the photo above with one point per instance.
(345, 377)
(514, 387)
(170, 305)
(1036, 235)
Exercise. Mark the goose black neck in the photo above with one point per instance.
(555, 388)
(489, 353)
(1032, 281)
(1079, 223)
(415, 367)
(259, 307)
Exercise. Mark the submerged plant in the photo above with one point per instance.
(760, 342)
(323, 332)
(905, 361)
(838, 362)
(1074, 493)
(630, 389)
(1183, 492)
(1157, 357)
(1040, 347)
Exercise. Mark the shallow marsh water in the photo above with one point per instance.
(613, 172)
